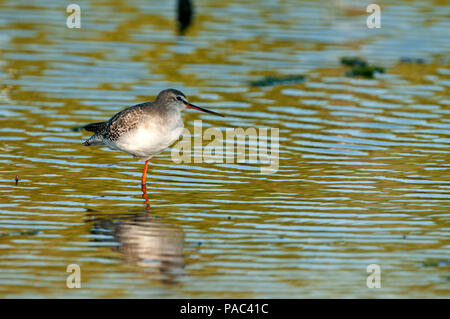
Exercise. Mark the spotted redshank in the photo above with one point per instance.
(145, 129)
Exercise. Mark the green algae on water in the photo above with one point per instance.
(360, 67)
(275, 80)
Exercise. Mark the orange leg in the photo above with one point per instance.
(144, 196)
(144, 187)
(144, 174)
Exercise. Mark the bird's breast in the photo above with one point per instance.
(151, 138)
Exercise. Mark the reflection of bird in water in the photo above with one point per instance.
(185, 14)
(146, 242)
(151, 244)
(145, 129)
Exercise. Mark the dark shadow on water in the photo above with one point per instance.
(144, 241)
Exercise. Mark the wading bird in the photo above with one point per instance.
(145, 129)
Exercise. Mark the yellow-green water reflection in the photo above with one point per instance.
(363, 174)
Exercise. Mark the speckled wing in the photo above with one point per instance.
(124, 121)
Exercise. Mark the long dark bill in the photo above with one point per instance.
(192, 106)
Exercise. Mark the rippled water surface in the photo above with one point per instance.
(363, 163)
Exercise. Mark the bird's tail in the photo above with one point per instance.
(95, 127)
(93, 140)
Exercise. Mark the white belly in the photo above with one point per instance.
(145, 142)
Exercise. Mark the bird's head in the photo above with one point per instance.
(177, 99)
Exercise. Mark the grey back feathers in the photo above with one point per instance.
(124, 121)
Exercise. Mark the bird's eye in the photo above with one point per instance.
(179, 98)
